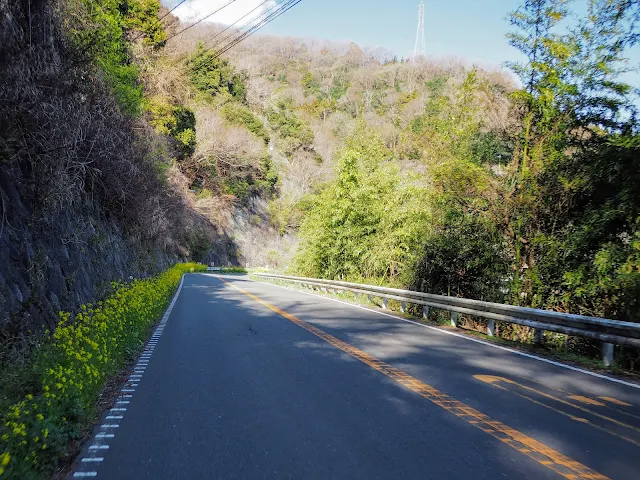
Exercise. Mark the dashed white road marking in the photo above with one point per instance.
(131, 382)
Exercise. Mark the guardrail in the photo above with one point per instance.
(609, 332)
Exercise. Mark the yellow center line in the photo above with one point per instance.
(491, 378)
(530, 447)
(616, 401)
(561, 412)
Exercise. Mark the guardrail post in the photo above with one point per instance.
(403, 307)
(607, 354)
(369, 298)
(538, 336)
(491, 328)
(454, 319)
(384, 302)
(425, 311)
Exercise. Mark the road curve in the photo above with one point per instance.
(249, 380)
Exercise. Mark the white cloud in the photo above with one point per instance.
(194, 10)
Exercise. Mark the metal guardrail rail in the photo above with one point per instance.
(610, 332)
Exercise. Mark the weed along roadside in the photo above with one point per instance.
(47, 402)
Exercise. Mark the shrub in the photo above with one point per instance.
(176, 121)
(70, 369)
(293, 132)
(143, 17)
(233, 270)
(213, 75)
(241, 115)
(97, 31)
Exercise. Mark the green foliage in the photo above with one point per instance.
(294, 134)
(310, 85)
(176, 121)
(199, 245)
(97, 30)
(572, 214)
(339, 87)
(368, 223)
(262, 180)
(212, 75)
(241, 115)
(436, 86)
(268, 181)
(320, 108)
(463, 256)
(39, 419)
(142, 16)
(285, 213)
(448, 126)
(487, 148)
(239, 187)
(233, 270)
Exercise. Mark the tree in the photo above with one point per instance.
(368, 223)
(212, 75)
(569, 204)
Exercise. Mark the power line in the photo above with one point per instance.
(286, 6)
(277, 6)
(159, 20)
(172, 9)
(213, 37)
(201, 20)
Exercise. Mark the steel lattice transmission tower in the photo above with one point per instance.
(420, 48)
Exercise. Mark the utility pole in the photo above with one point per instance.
(420, 41)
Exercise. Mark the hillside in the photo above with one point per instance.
(260, 150)
(432, 174)
(131, 144)
(421, 174)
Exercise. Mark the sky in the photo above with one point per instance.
(472, 30)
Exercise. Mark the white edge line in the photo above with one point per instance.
(466, 337)
(146, 353)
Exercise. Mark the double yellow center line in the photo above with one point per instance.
(538, 451)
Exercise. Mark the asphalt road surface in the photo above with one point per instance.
(247, 380)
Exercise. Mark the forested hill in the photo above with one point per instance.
(331, 160)
(517, 186)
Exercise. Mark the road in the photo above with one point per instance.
(248, 380)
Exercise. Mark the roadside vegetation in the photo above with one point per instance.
(48, 402)
(327, 159)
(541, 211)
